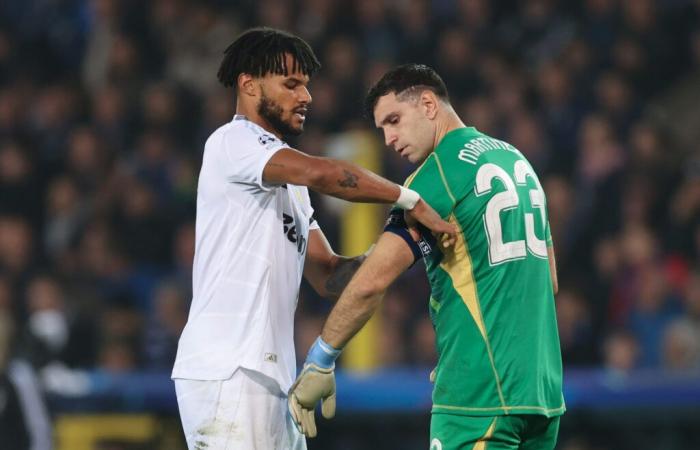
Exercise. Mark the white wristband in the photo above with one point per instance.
(407, 198)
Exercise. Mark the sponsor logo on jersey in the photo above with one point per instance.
(290, 230)
(435, 444)
(271, 357)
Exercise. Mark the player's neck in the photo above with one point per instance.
(447, 121)
(251, 113)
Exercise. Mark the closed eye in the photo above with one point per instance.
(391, 119)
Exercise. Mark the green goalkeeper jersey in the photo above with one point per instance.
(491, 302)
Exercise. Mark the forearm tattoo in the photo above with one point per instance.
(341, 276)
(350, 180)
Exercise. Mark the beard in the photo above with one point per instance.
(272, 112)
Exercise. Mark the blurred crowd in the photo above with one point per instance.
(105, 106)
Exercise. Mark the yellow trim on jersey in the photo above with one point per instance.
(444, 179)
(457, 263)
(410, 178)
(481, 443)
(505, 409)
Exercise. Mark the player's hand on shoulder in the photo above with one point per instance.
(425, 214)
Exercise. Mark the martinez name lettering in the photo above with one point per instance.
(474, 148)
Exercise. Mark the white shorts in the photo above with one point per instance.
(245, 412)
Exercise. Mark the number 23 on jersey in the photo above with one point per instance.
(499, 250)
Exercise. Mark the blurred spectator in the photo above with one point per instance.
(681, 346)
(116, 357)
(416, 25)
(122, 328)
(87, 160)
(578, 443)
(455, 62)
(109, 114)
(341, 58)
(392, 347)
(539, 30)
(53, 113)
(615, 101)
(13, 427)
(476, 16)
(600, 161)
(19, 185)
(600, 23)
(481, 114)
(423, 352)
(24, 420)
(104, 25)
(16, 246)
(621, 352)
(527, 136)
(653, 311)
(163, 331)
(575, 329)
(372, 31)
(195, 42)
(560, 201)
(219, 109)
(561, 112)
(307, 328)
(7, 305)
(142, 232)
(183, 256)
(638, 252)
(274, 13)
(66, 214)
(316, 17)
(48, 327)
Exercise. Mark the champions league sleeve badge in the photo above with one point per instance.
(267, 140)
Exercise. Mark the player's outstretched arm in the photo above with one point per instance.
(327, 272)
(350, 182)
(360, 299)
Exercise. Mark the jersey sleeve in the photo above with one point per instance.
(313, 224)
(548, 235)
(246, 152)
(430, 182)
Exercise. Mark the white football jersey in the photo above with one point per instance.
(251, 241)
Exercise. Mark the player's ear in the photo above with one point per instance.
(429, 103)
(246, 84)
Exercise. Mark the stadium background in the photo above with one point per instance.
(104, 109)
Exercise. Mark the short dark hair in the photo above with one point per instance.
(404, 77)
(260, 51)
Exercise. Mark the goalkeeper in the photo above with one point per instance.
(499, 375)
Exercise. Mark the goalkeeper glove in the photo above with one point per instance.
(315, 382)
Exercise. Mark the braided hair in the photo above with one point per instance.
(260, 51)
